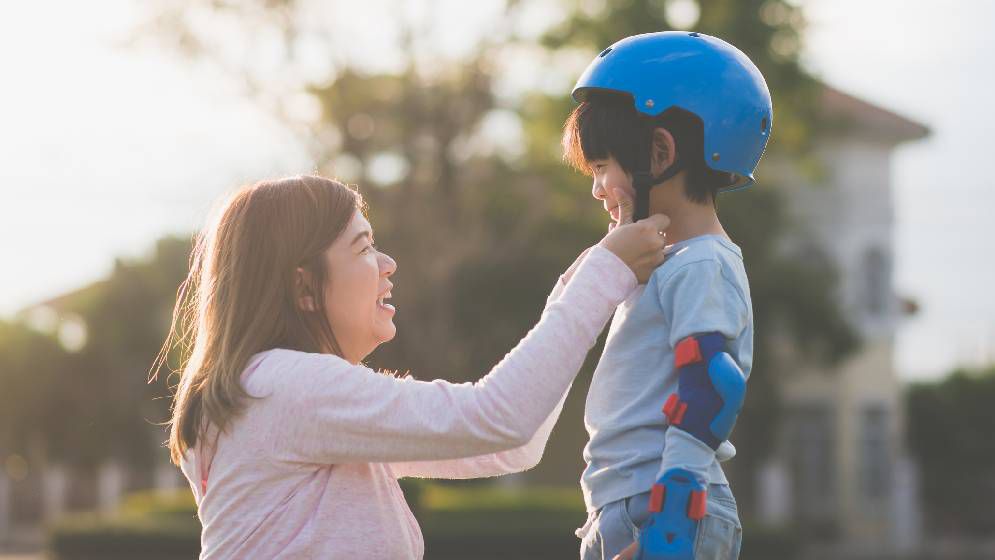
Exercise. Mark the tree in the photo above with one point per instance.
(34, 371)
(480, 234)
(949, 434)
(83, 405)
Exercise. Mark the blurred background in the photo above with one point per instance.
(866, 432)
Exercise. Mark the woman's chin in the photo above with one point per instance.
(386, 333)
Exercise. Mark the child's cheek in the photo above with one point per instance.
(624, 182)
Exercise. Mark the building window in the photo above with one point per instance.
(812, 443)
(876, 281)
(874, 453)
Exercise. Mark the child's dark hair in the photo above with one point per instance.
(608, 125)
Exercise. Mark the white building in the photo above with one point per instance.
(840, 470)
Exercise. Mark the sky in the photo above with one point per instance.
(930, 62)
(105, 148)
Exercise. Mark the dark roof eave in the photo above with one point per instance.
(868, 119)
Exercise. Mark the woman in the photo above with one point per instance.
(292, 446)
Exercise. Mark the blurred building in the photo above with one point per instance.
(840, 471)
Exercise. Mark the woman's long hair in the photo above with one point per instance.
(241, 295)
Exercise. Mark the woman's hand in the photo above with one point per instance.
(639, 245)
(628, 553)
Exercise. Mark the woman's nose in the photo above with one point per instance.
(387, 265)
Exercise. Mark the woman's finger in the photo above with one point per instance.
(625, 209)
(628, 552)
(660, 223)
(658, 258)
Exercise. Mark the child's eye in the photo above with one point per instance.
(369, 249)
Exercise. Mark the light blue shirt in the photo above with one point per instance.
(701, 287)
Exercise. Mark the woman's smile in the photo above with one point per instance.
(383, 306)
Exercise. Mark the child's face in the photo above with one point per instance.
(609, 175)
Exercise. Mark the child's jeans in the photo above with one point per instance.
(616, 526)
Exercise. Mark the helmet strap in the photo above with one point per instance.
(644, 180)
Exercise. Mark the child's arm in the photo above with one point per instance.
(707, 311)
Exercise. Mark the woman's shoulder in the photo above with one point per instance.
(281, 369)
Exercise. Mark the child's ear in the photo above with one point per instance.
(664, 150)
(305, 301)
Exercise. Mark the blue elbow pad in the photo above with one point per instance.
(677, 502)
(711, 389)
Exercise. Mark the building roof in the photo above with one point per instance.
(865, 117)
(66, 302)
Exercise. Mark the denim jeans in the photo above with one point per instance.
(616, 526)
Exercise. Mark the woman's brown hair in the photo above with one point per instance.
(240, 296)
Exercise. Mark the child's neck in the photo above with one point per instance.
(690, 219)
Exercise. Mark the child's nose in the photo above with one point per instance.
(597, 191)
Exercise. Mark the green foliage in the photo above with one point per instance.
(761, 542)
(155, 503)
(463, 497)
(64, 404)
(479, 235)
(93, 537)
(949, 434)
(456, 518)
(34, 374)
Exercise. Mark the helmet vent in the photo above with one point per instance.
(716, 156)
(605, 52)
(693, 34)
(763, 124)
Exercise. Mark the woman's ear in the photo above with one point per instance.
(663, 152)
(305, 300)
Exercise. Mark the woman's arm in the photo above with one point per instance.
(326, 410)
(511, 461)
(503, 462)
(564, 278)
(514, 460)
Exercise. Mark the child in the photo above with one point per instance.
(670, 119)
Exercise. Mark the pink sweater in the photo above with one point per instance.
(310, 470)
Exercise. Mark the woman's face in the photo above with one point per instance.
(356, 287)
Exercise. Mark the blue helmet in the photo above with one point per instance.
(697, 73)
